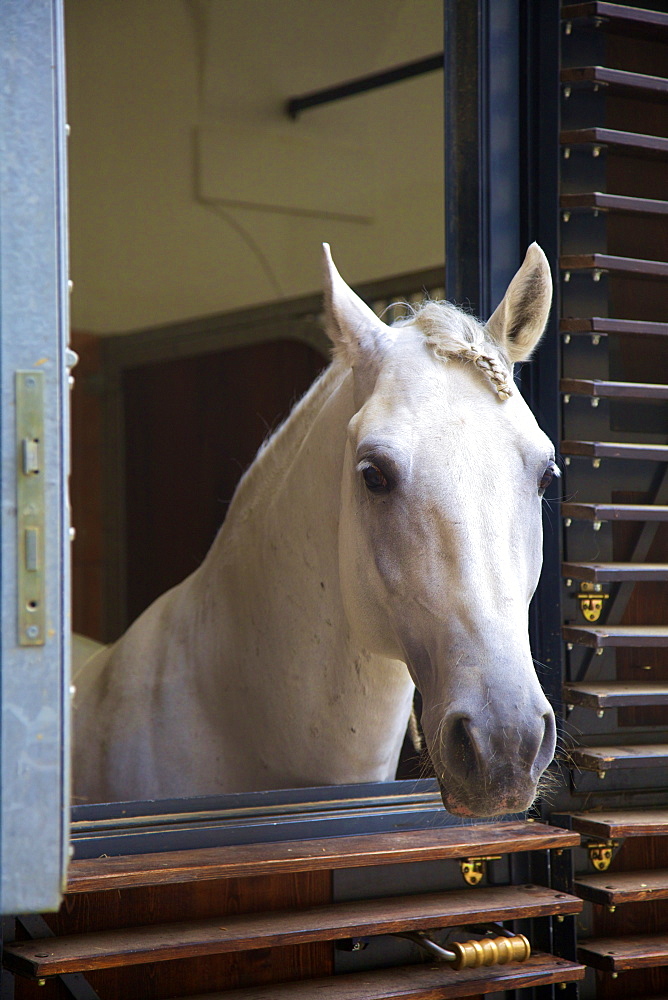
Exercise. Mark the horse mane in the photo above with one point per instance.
(452, 333)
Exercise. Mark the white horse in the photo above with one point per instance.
(388, 534)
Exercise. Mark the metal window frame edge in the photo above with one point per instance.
(34, 317)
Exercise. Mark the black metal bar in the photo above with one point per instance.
(482, 151)
(462, 171)
(539, 183)
(295, 105)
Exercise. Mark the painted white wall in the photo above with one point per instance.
(192, 193)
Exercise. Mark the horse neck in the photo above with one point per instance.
(281, 530)
(324, 411)
(271, 585)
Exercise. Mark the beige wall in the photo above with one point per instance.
(192, 193)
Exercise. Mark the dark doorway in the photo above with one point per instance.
(192, 427)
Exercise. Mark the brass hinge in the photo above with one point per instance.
(591, 598)
(600, 853)
(473, 869)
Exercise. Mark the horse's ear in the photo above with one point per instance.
(518, 322)
(351, 325)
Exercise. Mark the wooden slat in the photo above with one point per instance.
(358, 851)
(159, 943)
(615, 511)
(605, 202)
(617, 757)
(612, 823)
(599, 636)
(615, 449)
(632, 84)
(416, 982)
(603, 325)
(616, 954)
(599, 388)
(636, 266)
(632, 143)
(611, 572)
(615, 694)
(619, 17)
(615, 888)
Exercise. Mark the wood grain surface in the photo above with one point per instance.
(312, 855)
(163, 942)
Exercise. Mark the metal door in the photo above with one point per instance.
(34, 647)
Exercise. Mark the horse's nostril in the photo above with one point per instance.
(463, 745)
(548, 743)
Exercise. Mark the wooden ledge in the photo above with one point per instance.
(159, 943)
(600, 636)
(612, 758)
(602, 326)
(619, 694)
(612, 572)
(615, 511)
(416, 982)
(603, 201)
(615, 888)
(632, 84)
(602, 389)
(613, 823)
(615, 449)
(617, 954)
(315, 855)
(636, 267)
(630, 143)
(619, 17)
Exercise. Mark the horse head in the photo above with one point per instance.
(440, 537)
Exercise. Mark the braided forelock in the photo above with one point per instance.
(452, 333)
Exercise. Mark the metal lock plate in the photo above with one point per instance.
(600, 854)
(473, 869)
(30, 478)
(591, 598)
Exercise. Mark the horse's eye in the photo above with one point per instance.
(375, 480)
(547, 477)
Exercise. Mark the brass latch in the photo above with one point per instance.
(474, 954)
(591, 598)
(600, 854)
(31, 475)
(473, 869)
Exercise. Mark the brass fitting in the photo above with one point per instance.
(490, 951)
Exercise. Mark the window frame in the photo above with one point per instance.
(34, 813)
(34, 682)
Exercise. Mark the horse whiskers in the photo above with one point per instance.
(570, 731)
(427, 769)
(550, 783)
(563, 746)
(540, 666)
(565, 743)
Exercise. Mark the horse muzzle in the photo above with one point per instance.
(491, 767)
